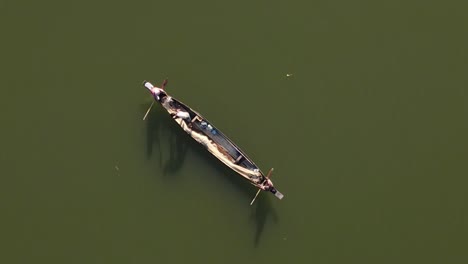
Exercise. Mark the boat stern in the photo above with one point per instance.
(267, 185)
(155, 91)
(276, 193)
(148, 85)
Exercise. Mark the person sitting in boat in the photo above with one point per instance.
(266, 185)
(158, 93)
(182, 114)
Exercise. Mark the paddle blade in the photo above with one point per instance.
(253, 200)
(269, 173)
(164, 84)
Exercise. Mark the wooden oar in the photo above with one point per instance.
(258, 192)
(164, 84)
(253, 200)
(147, 112)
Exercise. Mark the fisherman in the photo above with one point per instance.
(182, 114)
(158, 93)
(266, 185)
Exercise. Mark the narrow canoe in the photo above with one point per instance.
(218, 144)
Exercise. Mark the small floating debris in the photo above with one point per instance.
(289, 74)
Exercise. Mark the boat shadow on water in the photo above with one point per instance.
(160, 126)
(260, 214)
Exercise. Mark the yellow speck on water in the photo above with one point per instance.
(289, 74)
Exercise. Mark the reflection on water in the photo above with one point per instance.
(158, 122)
(177, 152)
(262, 211)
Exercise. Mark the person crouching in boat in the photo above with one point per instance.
(182, 114)
(267, 186)
(158, 93)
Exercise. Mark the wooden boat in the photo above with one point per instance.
(205, 133)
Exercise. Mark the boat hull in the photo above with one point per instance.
(213, 140)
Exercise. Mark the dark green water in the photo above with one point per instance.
(368, 136)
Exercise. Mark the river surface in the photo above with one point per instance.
(360, 106)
